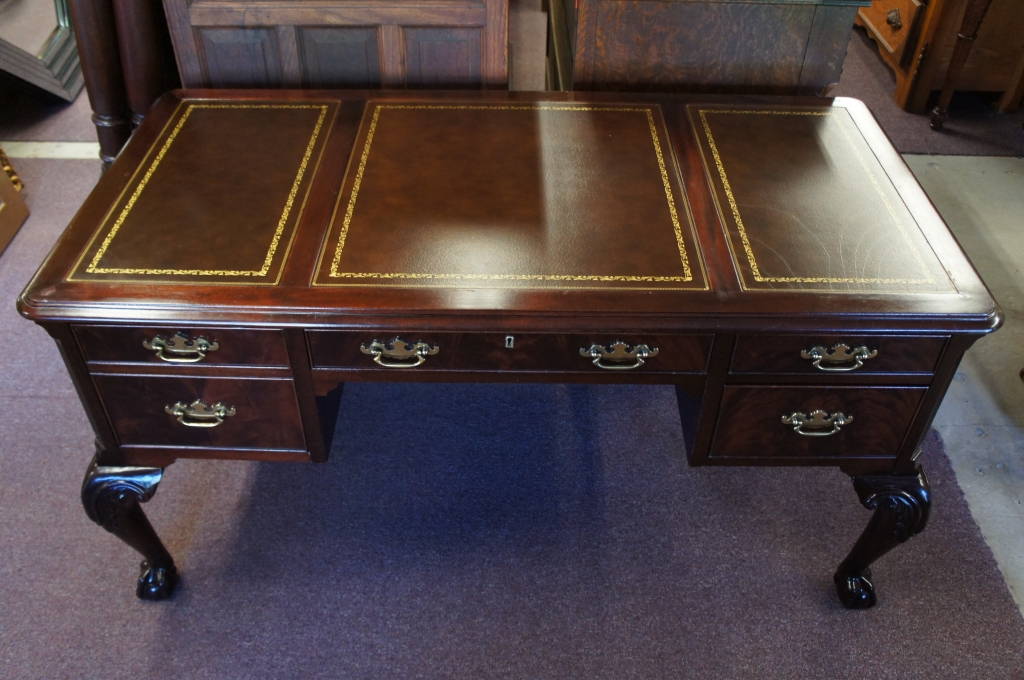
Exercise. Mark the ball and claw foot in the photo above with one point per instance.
(156, 583)
(112, 497)
(900, 506)
(856, 590)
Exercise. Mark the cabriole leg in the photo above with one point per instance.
(112, 497)
(900, 504)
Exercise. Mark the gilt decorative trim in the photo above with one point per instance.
(95, 266)
(744, 238)
(336, 275)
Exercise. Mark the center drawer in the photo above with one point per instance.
(247, 413)
(512, 351)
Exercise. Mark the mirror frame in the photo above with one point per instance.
(55, 68)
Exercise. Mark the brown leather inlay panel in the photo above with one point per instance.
(540, 195)
(217, 199)
(807, 206)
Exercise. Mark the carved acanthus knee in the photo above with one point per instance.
(901, 505)
(112, 497)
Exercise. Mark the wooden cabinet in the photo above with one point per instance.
(916, 38)
(316, 44)
(13, 211)
(782, 46)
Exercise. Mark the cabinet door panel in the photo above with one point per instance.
(340, 43)
(442, 57)
(339, 56)
(241, 57)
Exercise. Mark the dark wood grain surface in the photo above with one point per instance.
(779, 46)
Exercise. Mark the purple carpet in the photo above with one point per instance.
(466, 531)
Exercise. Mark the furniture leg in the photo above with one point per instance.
(973, 16)
(901, 504)
(112, 497)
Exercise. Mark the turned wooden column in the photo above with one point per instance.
(96, 35)
(127, 62)
(974, 14)
(147, 59)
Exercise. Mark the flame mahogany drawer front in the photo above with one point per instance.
(256, 414)
(855, 423)
(182, 346)
(514, 351)
(826, 355)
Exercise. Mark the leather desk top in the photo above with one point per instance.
(484, 209)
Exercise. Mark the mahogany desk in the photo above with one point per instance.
(250, 252)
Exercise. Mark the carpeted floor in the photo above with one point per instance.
(465, 531)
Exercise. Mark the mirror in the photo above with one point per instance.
(37, 45)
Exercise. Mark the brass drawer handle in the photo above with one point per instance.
(839, 358)
(408, 355)
(614, 356)
(818, 424)
(199, 414)
(180, 348)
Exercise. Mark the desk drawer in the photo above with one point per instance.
(182, 346)
(523, 352)
(796, 354)
(257, 413)
(750, 422)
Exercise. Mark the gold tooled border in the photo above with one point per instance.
(94, 264)
(364, 156)
(741, 228)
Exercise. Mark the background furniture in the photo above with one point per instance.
(37, 45)
(974, 14)
(210, 304)
(128, 59)
(778, 46)
(13, 210)
(316, 44)
(127, 63)
(917, 40)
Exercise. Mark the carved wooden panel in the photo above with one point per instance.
(241, 57)
(442, 57)
(313, 43)
(330, 55)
